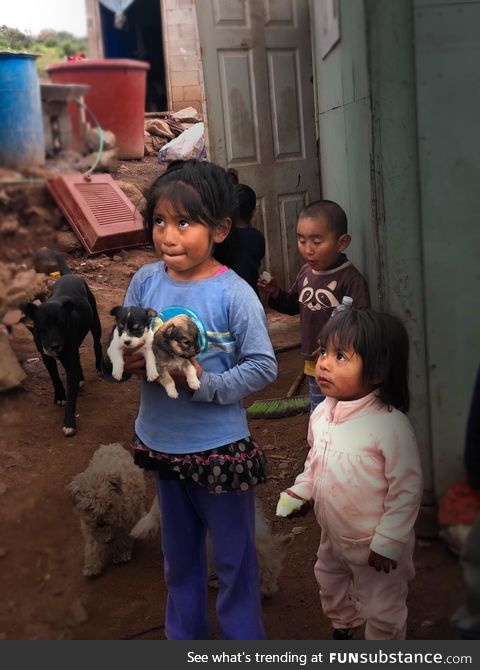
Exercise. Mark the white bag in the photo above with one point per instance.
(189, 144)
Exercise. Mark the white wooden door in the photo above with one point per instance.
(257, 66)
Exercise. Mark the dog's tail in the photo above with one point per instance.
(50, 260)
(149, 524)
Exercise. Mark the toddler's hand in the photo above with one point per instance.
(381, 562)
(268, 284)
(288, 503)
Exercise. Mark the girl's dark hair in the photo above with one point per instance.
(381, 340)
(200, 191)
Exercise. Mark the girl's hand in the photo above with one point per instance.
(381, 562)
(271, 287)
(134, 362)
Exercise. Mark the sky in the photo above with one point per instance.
(33, 15)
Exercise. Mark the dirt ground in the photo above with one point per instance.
(44, 595)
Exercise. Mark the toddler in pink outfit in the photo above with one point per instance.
(363, 474)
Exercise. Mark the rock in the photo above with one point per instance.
(9, 225)
(11, 374)
(427, 623)
(3, 488)
(3, 552)
(5, 173)
(37, 172)
(67, 241)
(159, 128)
(108, 161)
(134, 195)
(78, 612)
(38, 215)
(298, 529)
(109, 140)
(153, 144)
(187, 115)
(4, 197)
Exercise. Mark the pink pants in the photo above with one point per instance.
(353, 593)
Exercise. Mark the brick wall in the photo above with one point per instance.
(182, 55)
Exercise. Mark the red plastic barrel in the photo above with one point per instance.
(116, 96)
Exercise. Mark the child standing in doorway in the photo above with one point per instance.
(250, 240)
(363, 473)
(325, 278)
(205, 463)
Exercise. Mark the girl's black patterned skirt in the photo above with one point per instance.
(233, 467)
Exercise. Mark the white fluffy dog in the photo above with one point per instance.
(271, 549)
(109, 496)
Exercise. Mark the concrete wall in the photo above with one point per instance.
(447, 48)
(398, 109)
(368, 163)
(94, 29)
(396, 197)
(343, 120)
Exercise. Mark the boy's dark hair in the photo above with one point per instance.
(200, 191)
(333, 213)
(246, 201)
(381, 340)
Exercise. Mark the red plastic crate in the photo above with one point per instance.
(101, 215)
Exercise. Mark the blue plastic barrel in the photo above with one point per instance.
(21, 123)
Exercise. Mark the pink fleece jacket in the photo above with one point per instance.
(363, 472)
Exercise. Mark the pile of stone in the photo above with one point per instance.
(17, 285)
(161, 127)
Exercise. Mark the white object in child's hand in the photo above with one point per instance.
(344, 306)
(267, 276)
(287, 504)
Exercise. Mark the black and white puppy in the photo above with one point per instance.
(132, 330)
(60, 325)
(174, 344)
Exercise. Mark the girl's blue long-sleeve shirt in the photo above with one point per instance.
(239, 361)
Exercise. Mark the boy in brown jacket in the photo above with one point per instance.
(325, 278)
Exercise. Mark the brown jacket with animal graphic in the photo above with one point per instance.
(316, 293)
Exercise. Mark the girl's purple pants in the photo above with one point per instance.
(187, 511)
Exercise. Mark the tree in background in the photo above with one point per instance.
(50, 45)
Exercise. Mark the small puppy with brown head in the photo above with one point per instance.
(174, 344)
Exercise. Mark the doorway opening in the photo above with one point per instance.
(139, 39)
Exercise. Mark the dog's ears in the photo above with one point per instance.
(29, 309)
(68, 306)
(115, 311)
(169, 330)
(152, 313)
(73, 490)
(116, 484)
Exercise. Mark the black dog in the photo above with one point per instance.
(60, 325)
